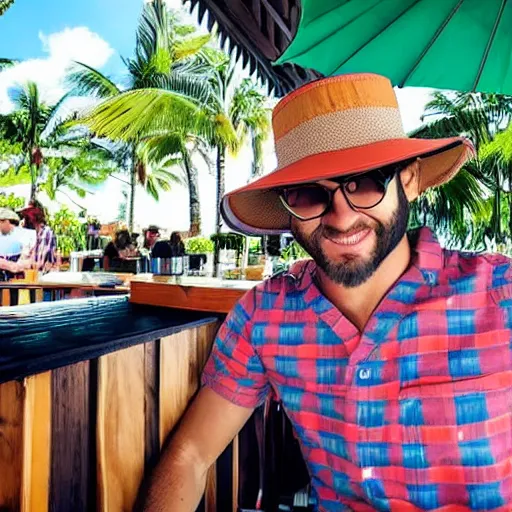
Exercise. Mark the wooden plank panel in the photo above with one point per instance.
(179, 377)
(6, 297)
(71, 439)
(205, 337)
(120, 429)
(36, 443)
(23, 297)
(151, 398)
(12, 396)
(39, 295)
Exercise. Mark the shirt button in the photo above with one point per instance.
(364, 373)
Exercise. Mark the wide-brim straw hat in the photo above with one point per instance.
(335, 127)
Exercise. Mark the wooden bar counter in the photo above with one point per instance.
(191, 293)
(89, 391)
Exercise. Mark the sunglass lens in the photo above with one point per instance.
(365, 191)
(308, 201)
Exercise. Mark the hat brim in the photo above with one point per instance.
(256, 209)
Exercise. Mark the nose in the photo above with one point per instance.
(341, 215)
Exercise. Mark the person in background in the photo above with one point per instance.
(151, 236)
(43, 255)
(177, 245)
(11, 244)
(119, 249)
(174, 247)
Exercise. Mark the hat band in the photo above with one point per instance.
(339, 130)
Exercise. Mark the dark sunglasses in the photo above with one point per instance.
(362, 192)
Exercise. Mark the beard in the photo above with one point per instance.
(352, 272)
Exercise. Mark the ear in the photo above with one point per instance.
(410, 178)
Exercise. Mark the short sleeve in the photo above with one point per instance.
(234, 369)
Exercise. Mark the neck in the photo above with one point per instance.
(359, 303)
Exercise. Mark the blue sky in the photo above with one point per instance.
(46, 36)
(114, 21)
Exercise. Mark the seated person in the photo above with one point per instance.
(151, 236)
(43, 256)
(169, 248)
(11, 244)
(121, 248)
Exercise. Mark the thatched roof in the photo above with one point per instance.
(258, 31)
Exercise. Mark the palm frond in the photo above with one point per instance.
(186, 48)
(4, 5)
(133, 115)
(84, 80)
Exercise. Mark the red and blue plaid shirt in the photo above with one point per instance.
(413, 414)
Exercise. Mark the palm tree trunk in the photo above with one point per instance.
(221, 172)
(257, 168)
(221, 184)
(33, 178)
(133, 187)
(193, 191)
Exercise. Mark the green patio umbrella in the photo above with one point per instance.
(464, 45)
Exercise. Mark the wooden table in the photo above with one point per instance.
(191, 293)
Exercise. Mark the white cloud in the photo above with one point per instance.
(77, 43)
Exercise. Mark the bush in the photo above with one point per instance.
(11, 201)
(70, 232)
(198, 245)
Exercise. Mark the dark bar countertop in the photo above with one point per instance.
(47, 335)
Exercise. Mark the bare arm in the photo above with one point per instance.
(15, 267)
(207, 428)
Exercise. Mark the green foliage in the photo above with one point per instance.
(70, 232)
(199, 245)
(294, 252)
(473, 210)
(255, 245)
(229, 241)
(11, 201)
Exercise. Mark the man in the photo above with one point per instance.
(391, 356)
(11, 244)
(43, 255)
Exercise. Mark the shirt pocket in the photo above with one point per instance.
(458, 434)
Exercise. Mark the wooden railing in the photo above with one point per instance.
(89, 391)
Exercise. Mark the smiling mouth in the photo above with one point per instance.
(349, 240)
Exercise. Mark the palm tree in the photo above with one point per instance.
(54, 156)
(235, 106)
(4, 5)
(25, 126)
(165, 94)
(468, 210)
(251, 114)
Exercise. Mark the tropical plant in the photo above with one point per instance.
(11, 201)
(467, 212)
(164, 98)
(199, 245)
(25, 125)
(69, 231)
(38, 149)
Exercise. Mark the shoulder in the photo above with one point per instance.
(487, 271)
(288, 282)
